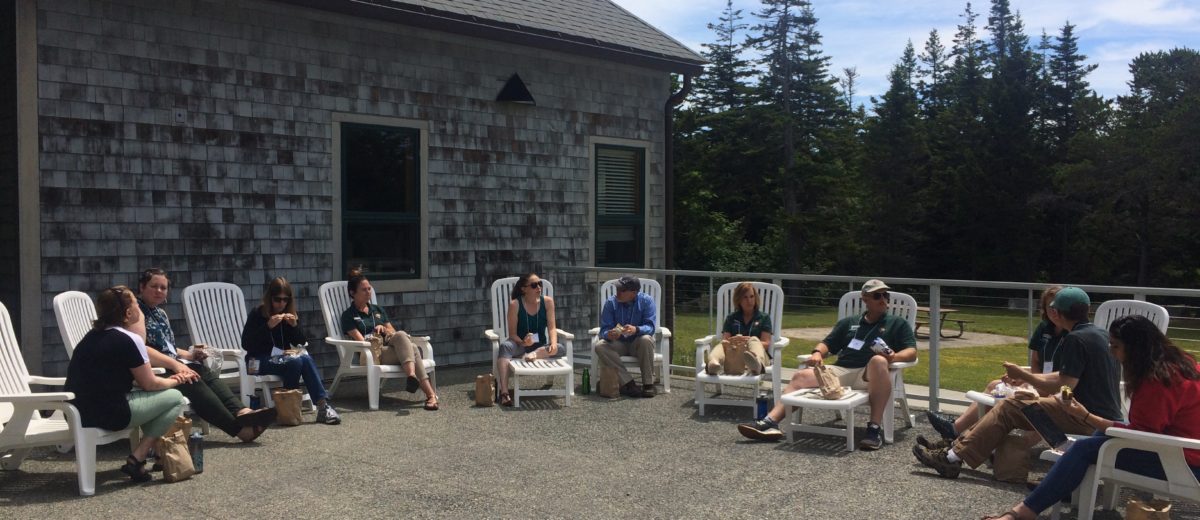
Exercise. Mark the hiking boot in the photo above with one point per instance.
(937, 459)
(873, 440)
(761, 430)
(327, 415)
(753, 367)
(943, 426)
(649, 391)
(932, 445)
(631, 389)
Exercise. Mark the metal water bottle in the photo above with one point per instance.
(585, 383)
(762, 405)
(196, 448)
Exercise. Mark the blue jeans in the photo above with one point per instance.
(1067, 473)
(294, 368)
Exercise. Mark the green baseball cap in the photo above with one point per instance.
(1068, 297)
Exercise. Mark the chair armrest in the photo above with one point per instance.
(419, 340)
(594, 331)
(981, 398)
(233, 354)
(39, 397)
(706, 340)
(48, 381)
(491, 335)
(779, 344)
(665, 332)
(566, 335)
(352, 343)
(1153, 438)
(901, 365)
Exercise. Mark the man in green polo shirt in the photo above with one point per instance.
(865, 345)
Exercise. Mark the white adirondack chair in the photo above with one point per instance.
(74, 312)
(1110, 310)
(904, 306)
(1180, 484)
(663, 334)
(334, 300)
(24, 428)
(770, 298)
(216, 314)
(564, 366)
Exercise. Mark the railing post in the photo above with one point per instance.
(712, 306)
(935, 333)
(1029, 327)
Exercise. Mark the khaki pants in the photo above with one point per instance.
(608, 354)
(716, 356)
(402, 351)
(981, 440)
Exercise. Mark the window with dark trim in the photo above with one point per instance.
(381, 200)
(620, 206)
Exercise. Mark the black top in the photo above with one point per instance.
(99, 376)
(258, 338)
(1086, 356)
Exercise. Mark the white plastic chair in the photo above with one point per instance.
(24, 428)
(334, 300)
(1110, 310)
(216, 314)
(1180, 484)
(74, 312)
(500, 294)
(663, 357)
(770, 298)
(904, 306)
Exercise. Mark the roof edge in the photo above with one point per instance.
(465, 25)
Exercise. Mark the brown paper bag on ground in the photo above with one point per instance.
(485, 390)
(1011, 461)
(609, 384)
(1154, 509)
(173, 454)
(287, 406)
(735, 363)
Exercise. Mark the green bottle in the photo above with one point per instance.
(585, 385)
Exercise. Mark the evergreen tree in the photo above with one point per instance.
(932, 70)
(722, 86)
(1070, 100)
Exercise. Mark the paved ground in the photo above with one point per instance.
(969, 339)
(647, 458)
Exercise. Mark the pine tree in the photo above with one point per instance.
(722, 86)
(932, 70)
(1069, 98)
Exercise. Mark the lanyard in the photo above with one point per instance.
(864, 338)
(531, 320)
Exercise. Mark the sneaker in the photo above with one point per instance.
(631, 389)
(873, 440)
(761, 430)
(753, 367)
(932, 445)
(648, 391)
(943, 426)
(327, 415)
(937, 460)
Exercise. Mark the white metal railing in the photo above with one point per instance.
(934, 298)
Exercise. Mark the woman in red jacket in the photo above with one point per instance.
(1165, 384)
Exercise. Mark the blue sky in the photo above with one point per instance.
(870, 35)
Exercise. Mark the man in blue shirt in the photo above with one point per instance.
(627, 325)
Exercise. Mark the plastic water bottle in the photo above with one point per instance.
(762, 405)
(585, 383)
(196, 448)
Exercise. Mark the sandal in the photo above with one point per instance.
(258, 418)
(505, 399)
(136, 469)
(431, 404)
(1006, 514)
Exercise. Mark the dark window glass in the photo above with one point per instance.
(381, 200)
(620, 206)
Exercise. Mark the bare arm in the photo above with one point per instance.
(765, 338)
(512, 322)
(551, 327)
(146, 379)
(904, 356)
(1045, 384)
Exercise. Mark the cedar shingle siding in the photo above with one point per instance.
(242, 189)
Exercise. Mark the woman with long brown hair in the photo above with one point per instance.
(747, 325)
(532, 330)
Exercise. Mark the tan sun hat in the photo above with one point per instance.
(874, 286)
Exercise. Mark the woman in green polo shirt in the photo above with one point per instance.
(363, 320)
(746, 324)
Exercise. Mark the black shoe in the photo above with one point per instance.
(761, 430)
(136, 469)
(648, 391)
(412, 384)
(873, 440)
(261, 417)
(938, 460)
(932, 445)
(943, 426)
(631, 389)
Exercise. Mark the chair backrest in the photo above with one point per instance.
(14, 377)
(74, 311)
(899, 304)
(500, 294)
(650, 287)
(215, 314)
(770, 300)
(334, 301)
(1110, 310)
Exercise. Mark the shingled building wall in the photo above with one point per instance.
(241, 190)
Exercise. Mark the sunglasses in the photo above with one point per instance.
(281, 299)
(535, 285)
(879, 296)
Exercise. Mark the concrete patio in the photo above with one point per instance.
(645, 458)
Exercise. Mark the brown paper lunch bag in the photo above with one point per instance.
(174, 456)
(609, 384)
(287, 406)
(485, 390)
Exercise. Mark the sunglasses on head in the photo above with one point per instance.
(879, 295)
(535, 285)
(282, 299)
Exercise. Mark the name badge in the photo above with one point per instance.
(536, 337)
(276, 351)
(855, 344)
(1047, 367)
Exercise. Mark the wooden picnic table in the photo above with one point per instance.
(944, 314)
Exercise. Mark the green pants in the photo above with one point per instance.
(154, 411)
(212, 400)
